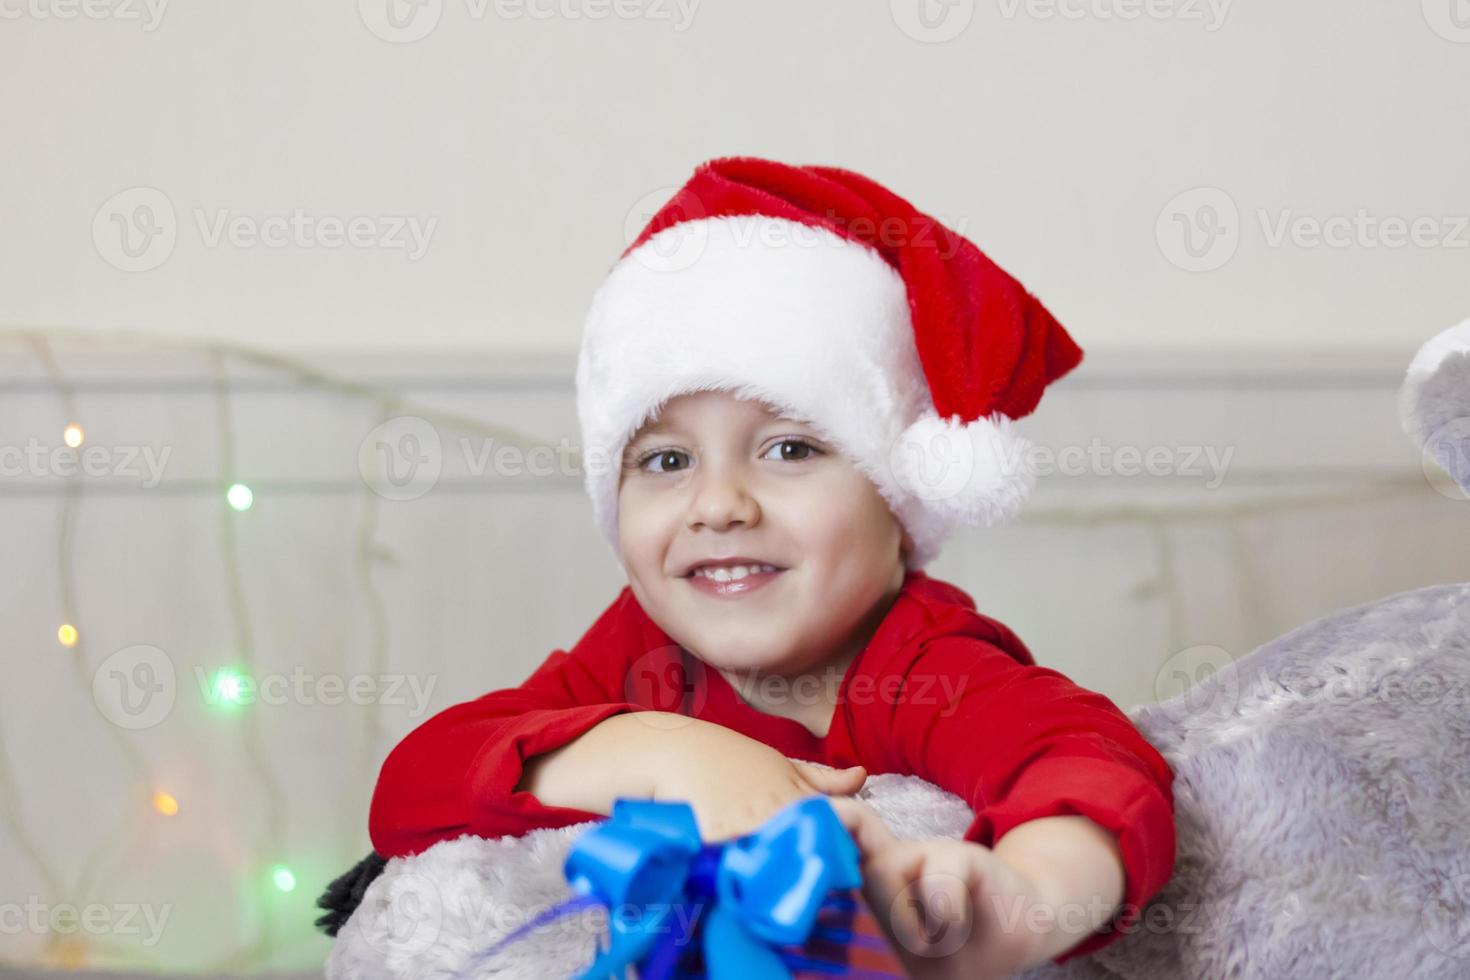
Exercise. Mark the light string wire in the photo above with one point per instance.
(272, 836)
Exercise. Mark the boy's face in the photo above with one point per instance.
(716, 477)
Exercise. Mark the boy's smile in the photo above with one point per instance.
(752, 541)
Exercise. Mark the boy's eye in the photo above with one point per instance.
(800, 450)
(662, 456)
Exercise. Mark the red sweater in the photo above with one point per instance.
(941, 691)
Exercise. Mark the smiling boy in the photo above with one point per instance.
(796, 417)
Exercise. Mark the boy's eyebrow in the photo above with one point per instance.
(662, 427)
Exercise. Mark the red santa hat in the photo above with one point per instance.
(825, 294)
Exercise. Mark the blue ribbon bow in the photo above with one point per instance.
(672, 897)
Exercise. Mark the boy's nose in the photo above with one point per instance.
(721, 499)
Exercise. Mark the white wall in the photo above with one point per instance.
(1057, 143)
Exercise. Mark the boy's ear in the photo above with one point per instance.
(905, 544)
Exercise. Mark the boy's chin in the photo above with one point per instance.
(744, 662)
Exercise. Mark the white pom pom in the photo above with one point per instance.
(978, 473)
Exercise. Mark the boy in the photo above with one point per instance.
(791, 388)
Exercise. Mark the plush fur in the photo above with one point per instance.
(1434, 402)
(1321, 785)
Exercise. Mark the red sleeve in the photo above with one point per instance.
(455, 774)
(1022, 742)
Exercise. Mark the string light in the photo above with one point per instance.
(240, 496)
(370, 550)
(283, 878)
(229, 688)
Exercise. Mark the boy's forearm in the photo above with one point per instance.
(619, 756)
(1079, 869)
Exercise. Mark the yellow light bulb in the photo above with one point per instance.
(67, 634)
(73, 434)
(165, 804)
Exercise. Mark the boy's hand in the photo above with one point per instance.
(735, 783)
(951, 908)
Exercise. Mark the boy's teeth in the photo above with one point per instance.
(732, 573)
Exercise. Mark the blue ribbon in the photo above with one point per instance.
(674, 900)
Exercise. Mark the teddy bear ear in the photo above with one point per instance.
(344, 894)
(1434, 402)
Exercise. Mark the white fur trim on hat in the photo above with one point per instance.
(810, 322)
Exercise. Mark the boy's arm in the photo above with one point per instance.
(1022, 743)
(461, 770)
(1079, 869)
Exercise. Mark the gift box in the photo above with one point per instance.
(781, 903)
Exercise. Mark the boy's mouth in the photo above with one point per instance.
(729, 577)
